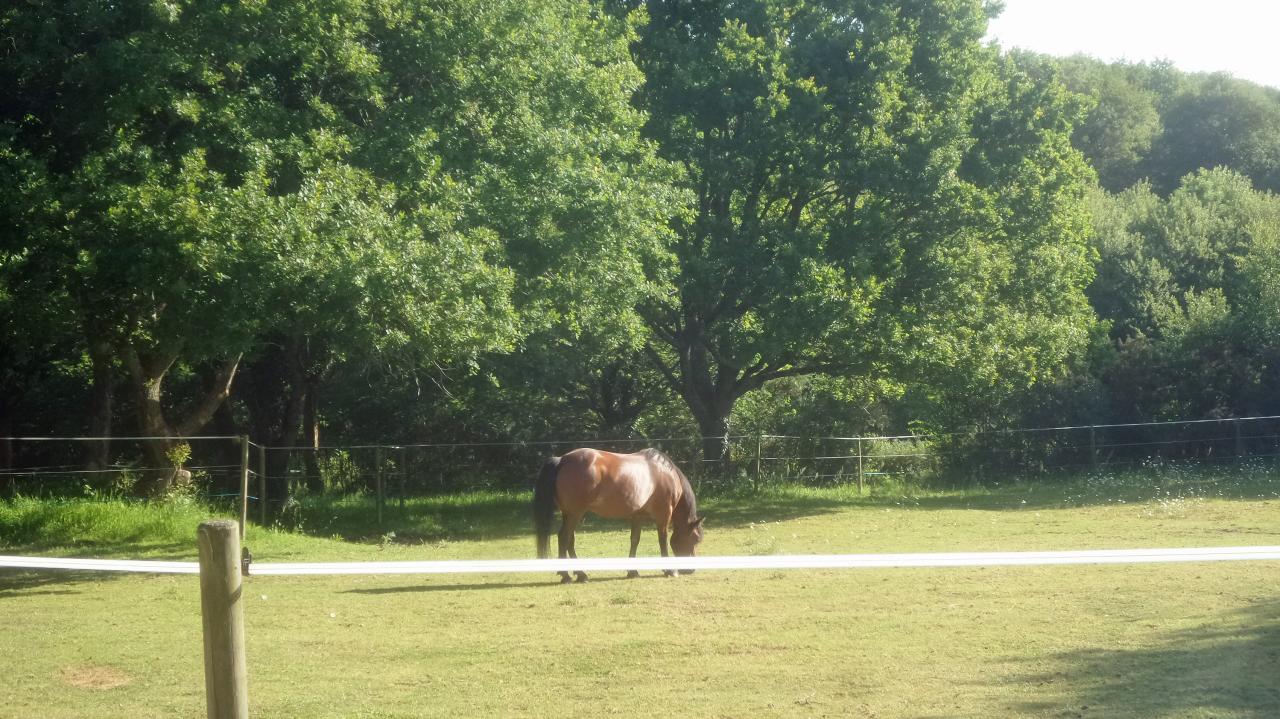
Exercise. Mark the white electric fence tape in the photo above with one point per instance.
(101, 565)
(775, 561)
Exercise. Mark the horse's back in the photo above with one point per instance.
(606, 483)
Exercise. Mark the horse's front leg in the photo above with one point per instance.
(635, 542)
(662, 544)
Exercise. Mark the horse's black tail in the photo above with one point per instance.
(544, 505)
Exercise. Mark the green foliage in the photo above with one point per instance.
(817, 406)
(339, 474)
(1186, 287)
(881, 197)
(1150, 121)
(99, 525)
(516, 220)
(179, 454)
(1221, 122)
(396, 185)
(569, 388)
(1121, 126)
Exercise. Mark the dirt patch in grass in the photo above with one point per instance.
(89, 676)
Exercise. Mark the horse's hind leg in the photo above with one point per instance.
(635, 542)
(564, 540)
(662, 544)
(566, 545)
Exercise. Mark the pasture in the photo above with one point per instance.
(1183, 640)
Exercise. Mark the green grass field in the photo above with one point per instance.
(1180, 640)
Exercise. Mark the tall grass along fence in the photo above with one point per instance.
(262, 480)
(226, 470)
(224, 566)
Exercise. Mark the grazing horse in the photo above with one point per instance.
(646, 484)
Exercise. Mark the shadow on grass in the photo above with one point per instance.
(474, 516)
(27, 583)
(491, 515)
(456, 518)
(1229, 667)
(551, 581)
(134, 547)
(733, 511)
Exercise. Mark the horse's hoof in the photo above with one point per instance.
(633, 574)
(565, 579)
(668, 573)
(581, 577)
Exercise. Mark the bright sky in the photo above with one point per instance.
(1238, 36)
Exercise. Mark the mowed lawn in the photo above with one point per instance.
(1172, 640)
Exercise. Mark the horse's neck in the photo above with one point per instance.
(684, 511)
(686, 508)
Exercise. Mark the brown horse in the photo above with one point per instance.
(646, 484)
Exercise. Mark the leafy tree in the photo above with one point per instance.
(1151, 121)
(876, 194)
(1131, 270)
(1185, 282)
(1153, 252)
(1219, 121)
(564, 387)
(1121, 127)
(379, 182)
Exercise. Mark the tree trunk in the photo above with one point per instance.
(6, 431)
(147, 382)
(101, 400)
(7, 488)
(146, 373)
(278, 488)
(227, 453)
(277, 385)
(708, 390)
(713, 424)
(311, 435)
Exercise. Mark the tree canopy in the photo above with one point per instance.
(517, 219)
(404, 183)
(877, 193)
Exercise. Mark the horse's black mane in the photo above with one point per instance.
(659, 458)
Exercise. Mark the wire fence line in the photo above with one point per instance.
(224, 466)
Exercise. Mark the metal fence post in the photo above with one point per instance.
(377, 458)
(1093, 447)
(759, 444)
(244, 482)
(222, 611)
(404, 474)
(860, 473)
(262, 484)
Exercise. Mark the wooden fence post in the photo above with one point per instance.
(262, 483)
(244, 482)
(222, 609)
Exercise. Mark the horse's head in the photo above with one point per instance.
(685, 537)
